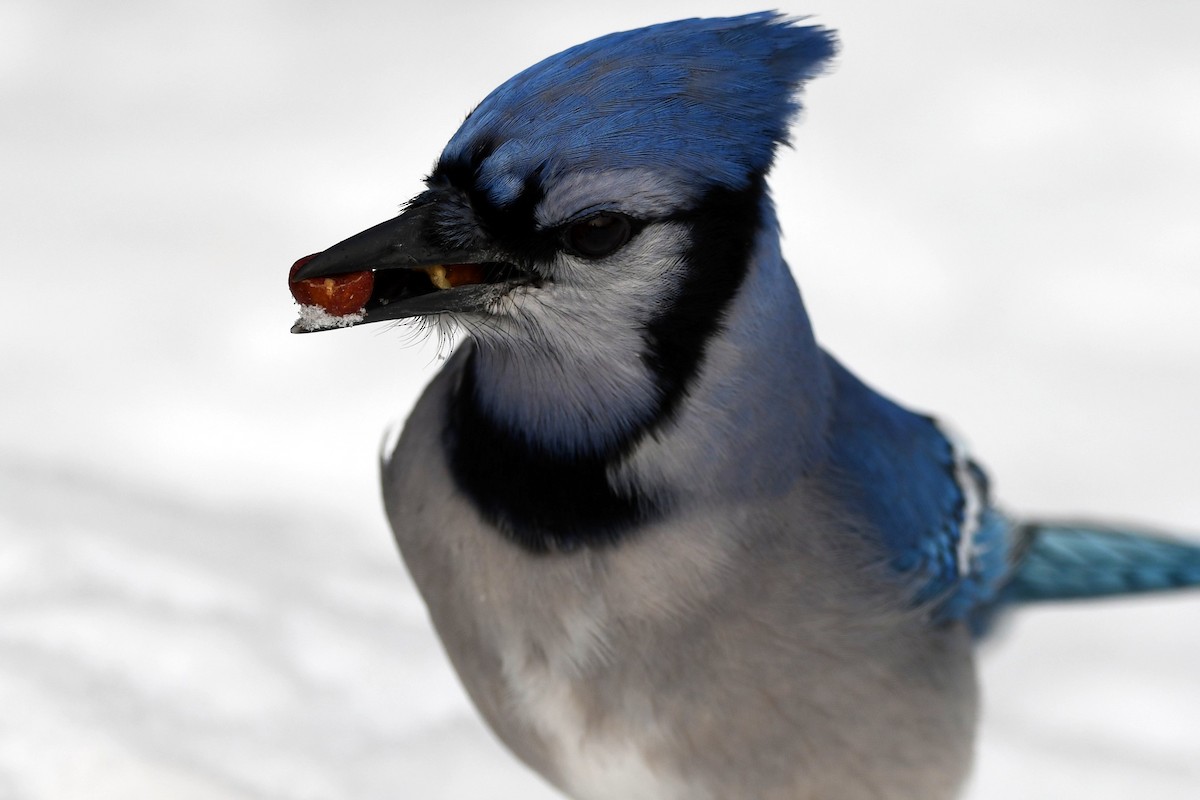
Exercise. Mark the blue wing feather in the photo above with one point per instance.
(967, 560)
(906, 477)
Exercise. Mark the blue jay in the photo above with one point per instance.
(673, 548)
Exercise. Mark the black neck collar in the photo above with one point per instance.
(545, 501)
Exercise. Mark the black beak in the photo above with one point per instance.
(415, 273)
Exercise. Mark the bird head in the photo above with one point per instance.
(617, 181)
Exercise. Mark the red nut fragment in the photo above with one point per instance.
(338, 295)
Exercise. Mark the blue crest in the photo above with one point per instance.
(698, 97)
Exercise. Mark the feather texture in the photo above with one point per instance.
(1076, 561)
(707, 98)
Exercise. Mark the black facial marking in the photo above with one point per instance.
(545, 501)
(461, 171)
(510, 226)
(723, 228)
(541, 500)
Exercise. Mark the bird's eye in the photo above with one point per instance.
(598, 235)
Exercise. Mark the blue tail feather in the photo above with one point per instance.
(1073, 561)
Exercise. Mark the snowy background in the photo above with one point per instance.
(994, 212)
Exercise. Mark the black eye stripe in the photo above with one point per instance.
(598, 235)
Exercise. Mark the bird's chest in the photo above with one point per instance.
(600, 746)
(552, 656)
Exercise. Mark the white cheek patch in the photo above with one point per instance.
(637, 192)
(565, 360)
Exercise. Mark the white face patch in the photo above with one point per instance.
(636, 192)
(565, 360)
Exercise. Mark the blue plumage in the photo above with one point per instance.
(905, 475)
(927, 501)
(700, 97)
(901, 469)
(657, 123)
(674, 548)
(1071, 561)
